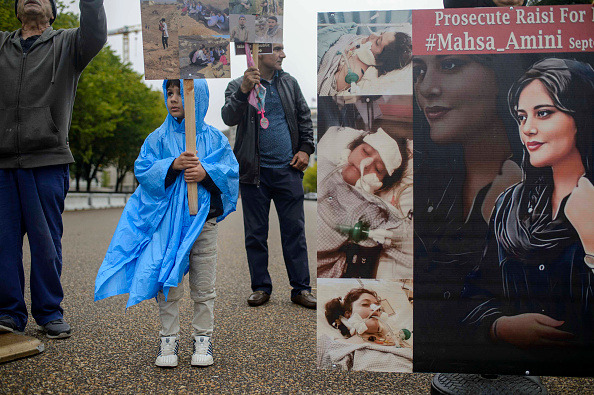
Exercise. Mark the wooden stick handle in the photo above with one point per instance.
(255, 52)
(190, 117)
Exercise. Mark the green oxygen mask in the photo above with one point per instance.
(351, 76)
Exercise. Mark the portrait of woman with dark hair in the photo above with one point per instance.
(543, 226)
(465, 142)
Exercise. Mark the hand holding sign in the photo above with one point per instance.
(251, 77)
(258, 92)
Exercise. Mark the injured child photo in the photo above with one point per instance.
(365, 215)
(364, 58)
(365, 325)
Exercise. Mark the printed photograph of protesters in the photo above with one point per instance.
(269, 29)
(180, 27)
(204, 57)
(364, 53)
(365, 325)
(243, 28)
(210, 18)
(160, 21)
(243, 7)
(270, 7)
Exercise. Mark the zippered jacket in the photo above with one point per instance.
(38, 89)
(237, 111)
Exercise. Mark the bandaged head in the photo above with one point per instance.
(365, 55)
(387, 149)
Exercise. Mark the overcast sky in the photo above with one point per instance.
(299, 40)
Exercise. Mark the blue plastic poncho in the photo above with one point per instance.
(150, 248)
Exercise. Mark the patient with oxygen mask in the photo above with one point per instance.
(357, 228)
(360, 318)
(347, 61)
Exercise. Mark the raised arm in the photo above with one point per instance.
(92, 33)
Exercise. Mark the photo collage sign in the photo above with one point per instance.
(489, 224)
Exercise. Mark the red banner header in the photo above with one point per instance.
(500, 30)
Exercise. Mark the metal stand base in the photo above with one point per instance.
(462, 384)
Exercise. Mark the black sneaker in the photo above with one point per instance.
(56, 329)
(7, 325)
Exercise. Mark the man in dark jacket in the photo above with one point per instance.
(40, 70)
(272, 149)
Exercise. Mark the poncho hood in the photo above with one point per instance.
(201, 99)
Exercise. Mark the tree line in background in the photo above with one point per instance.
(114, 110)
(113, 113)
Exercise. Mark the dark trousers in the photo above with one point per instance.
(165, 42)
(32, 202)
(284, 187)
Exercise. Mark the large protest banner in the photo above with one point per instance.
(503, 132)
(502, 108)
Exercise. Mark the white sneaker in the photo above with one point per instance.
(167, 356)
(202, 351)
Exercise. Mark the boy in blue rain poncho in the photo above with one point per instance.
(157, 241)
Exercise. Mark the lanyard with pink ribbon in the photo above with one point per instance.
(258, 94)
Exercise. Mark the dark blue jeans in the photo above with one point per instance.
(32, 202)
(284, 187)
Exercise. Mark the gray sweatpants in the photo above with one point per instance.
(203, 262)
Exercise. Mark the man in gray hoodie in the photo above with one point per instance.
(40, 71)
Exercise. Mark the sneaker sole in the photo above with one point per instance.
(62, 335)
(165, 365)
(202, 364)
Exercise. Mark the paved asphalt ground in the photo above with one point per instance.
(264, 350)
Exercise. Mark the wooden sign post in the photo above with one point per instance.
(255, 51)
(190, 116)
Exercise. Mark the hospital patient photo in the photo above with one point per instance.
(365, 325)
(364, 53)
(365, 216)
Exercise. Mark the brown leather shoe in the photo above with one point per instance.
(305, 299)
(258, 298)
